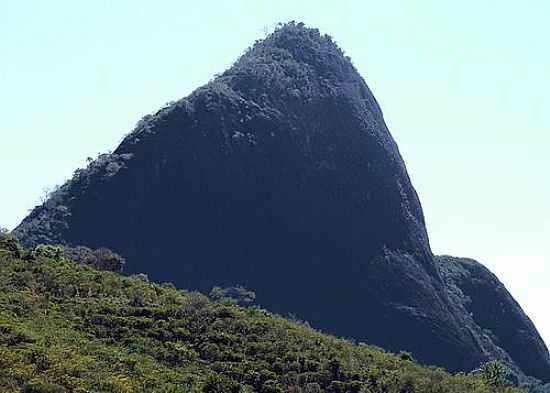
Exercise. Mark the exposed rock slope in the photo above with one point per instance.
(499, 318)
(279, 175)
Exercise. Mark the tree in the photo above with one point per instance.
(494, 374)
(109, 260)
(48, 251)
(10, 244)
(82, 255)
(218, 383)
(101, 258)
(237, 295)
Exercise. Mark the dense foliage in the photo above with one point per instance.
(67, 327)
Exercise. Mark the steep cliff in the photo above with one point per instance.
(499, 318)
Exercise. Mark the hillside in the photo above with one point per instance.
(281, 175)
(70, 328)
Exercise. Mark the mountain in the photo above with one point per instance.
(495, 313)
(280, 175)
(123, 334)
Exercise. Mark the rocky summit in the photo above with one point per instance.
(280, 175)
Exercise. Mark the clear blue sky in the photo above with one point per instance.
(464, 86)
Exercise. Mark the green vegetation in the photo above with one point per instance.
(494, 374)
(237, 295)
(67, 327)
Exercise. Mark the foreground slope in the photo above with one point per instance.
(282, 176)
(70, 328)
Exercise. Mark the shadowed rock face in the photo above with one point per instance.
(499, 317)
(279, 175)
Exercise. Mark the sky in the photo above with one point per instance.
(464, 87)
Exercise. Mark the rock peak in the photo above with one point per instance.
(298, 49)
(302, 42)
(279, 175)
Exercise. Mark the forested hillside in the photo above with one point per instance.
(69, 327)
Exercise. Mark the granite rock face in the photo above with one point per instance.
(501, 327)
(279, 175)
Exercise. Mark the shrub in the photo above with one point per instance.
(43, 387)
(10, 244)
(407, 356)
(82, 255)
(40, 360)
(494, 374)
(108, 260)
(237, 295)
(217, 383)
(48, 251)
(313, 388)
(101, 258)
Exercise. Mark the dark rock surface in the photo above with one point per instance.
(499, 318)
(279, 175)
